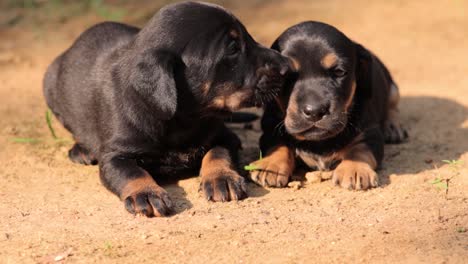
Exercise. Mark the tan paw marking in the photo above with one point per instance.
(275, 169)
(355, 175)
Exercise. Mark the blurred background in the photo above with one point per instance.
(423, 43)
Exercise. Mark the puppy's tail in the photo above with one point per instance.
(241, 117)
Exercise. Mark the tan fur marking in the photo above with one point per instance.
(291, 111)
(138, 185)
(351, 97)
(275, 168)
(295, 64)
(358, 151)
(216, 159)
(329, 60)
(357, 168)
(234, 33)
(281, 155)
(394, 96)
(219, 102)
(231, 102)
(234, 100)
(206, 87)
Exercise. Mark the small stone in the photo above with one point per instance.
(296, 185)
(314, 176)
(326, 175)
(59, 258)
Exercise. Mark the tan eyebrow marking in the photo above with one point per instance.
(234, 33)
(329, 60)
(295, 64)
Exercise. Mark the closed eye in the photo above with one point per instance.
(233, 48)
(337, 72)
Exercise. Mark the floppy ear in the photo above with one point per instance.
(153, 79)
(363, 71)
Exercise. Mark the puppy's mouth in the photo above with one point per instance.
(314, 131)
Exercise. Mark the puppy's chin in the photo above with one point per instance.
(314, 131)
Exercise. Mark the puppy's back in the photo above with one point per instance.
(74, 80)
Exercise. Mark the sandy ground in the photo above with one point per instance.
(52, 209)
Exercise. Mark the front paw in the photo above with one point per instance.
(271, 172)
(223, 185)
(355, 175)
(149, 201)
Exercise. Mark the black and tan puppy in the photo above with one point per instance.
(337, 112)
(146, 102)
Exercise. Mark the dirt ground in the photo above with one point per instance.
(54, 210)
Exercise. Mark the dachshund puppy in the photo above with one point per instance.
(335, 114)
(146, 102)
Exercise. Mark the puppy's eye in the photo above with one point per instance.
(337, 72)
(233, 48)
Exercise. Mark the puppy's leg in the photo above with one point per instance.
(79, 154)
(135, 186)
(219, 180)
(275, 169)
(393, 130)
(359, 161)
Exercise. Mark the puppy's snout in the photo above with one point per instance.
(276, 68)
(316, 112)
(277, 63)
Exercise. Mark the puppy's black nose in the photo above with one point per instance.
(316, 112)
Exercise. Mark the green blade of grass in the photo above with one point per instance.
(251, 167)
(49, 123)
(25, 140)
(436, 181)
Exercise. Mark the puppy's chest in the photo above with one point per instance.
(323, 162)
(183, 149)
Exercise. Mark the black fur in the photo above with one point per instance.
(146, 99)
(329, 88)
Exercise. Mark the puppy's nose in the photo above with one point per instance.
(315, 112)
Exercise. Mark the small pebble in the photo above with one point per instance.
(296, 185)
(314, 176)
(318, 176)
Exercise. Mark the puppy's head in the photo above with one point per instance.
(332, 74)
(204, 52)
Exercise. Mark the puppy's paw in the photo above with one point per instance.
(149, 201)
(355, 175)
(271, 172)
(394, 133)
(81, 155)
(223, 185)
